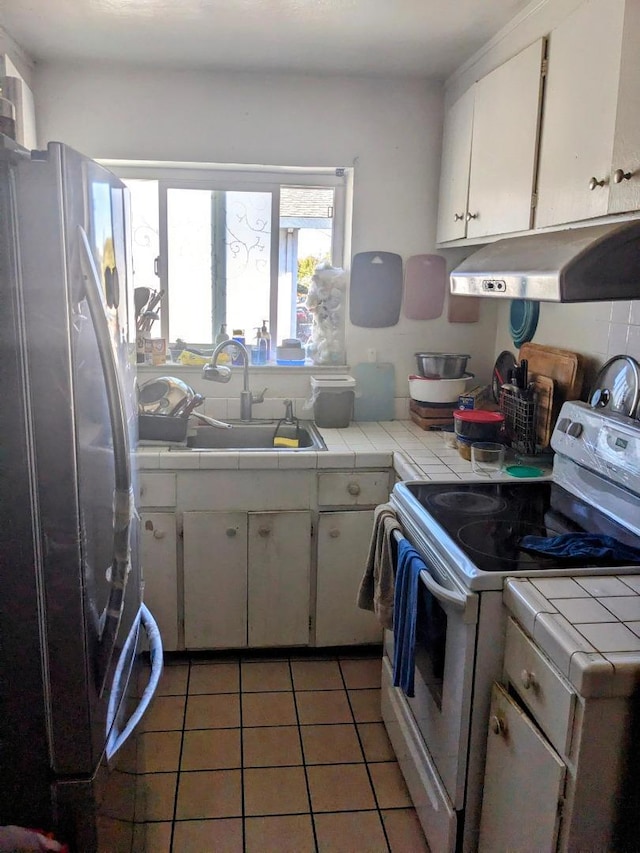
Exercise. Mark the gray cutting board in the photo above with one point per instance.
(375, 289)
(375, 391)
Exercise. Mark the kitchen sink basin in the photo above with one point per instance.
(255, 436)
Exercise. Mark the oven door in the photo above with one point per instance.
(446, 631)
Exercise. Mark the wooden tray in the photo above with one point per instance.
(427, 423)
(425, 411)
(544, 388)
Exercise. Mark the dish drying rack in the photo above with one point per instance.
(520, 420)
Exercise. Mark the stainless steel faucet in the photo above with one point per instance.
(221, 373)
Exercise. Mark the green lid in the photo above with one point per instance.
(524, 471)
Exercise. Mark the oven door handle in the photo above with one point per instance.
(456, 600)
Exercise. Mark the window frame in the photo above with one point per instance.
(232, 177)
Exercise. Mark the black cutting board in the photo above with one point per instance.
(375, 293)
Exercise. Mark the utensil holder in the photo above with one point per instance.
(519, 420)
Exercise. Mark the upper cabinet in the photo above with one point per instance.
(589, 149)
(489, 151)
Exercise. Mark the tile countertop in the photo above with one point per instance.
(588, 626)
(415, 454)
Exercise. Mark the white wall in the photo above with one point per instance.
(389, 129)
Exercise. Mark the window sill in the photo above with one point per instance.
(172, 366)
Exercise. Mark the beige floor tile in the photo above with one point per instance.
(207, 836)
(350, 831)
(389, 785)
(173, 681)
(268, 709)
(375, 742)
(340, 787)
(165, 713)
(404, 831)
(265, 676)
(366, 705)
(211, 749)
(160, 751)
(214, 678)
(158, 793)
(316, 675)
(271, 746)
(328, 706)
(214, 711)
(210, 793)
(330, 744)
(275, 790)
(361, 673)
(280, 834)
(155, 836)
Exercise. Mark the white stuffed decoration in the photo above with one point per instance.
(325, 301)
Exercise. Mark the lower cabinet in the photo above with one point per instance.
(343, 543)
(246, 579)
(523, 785)
(158, 553)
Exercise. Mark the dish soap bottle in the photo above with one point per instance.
(222, 336)
(266, 337)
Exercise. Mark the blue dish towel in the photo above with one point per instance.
(405, 612)
(576, 545)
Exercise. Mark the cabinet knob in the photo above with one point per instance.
(334, 533)
(498, 725)
(158, 534)
(620, 175)
(528, 679)
(353, 488)
(471, 216)
(594, 182)
(264, 531)
(231, 531)
(458, 217)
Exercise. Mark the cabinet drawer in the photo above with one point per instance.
(157, 489)
(540, 687)
(353, 488)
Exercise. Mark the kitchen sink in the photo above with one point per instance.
(256, 436)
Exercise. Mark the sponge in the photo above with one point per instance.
(281, 441)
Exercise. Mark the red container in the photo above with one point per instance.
(478, 425)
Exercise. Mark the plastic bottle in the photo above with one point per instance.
(265, 336)
(222, 336)
(237, 358)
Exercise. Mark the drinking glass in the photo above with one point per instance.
(487, 458)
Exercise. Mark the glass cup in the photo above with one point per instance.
(487, 458)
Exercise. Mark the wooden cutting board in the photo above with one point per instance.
(566, 368)
(375, 289)
(439, 412)
(428, 423)
(463, 309)
(425, 283)
(544, 388)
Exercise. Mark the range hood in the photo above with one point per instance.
(599, 262)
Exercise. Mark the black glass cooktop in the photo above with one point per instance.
(488, 520)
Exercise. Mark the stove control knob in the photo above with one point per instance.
(575, 429)
(528, 679)
(600, 398)
(562, 424)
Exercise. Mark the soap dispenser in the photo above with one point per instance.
(265, 336)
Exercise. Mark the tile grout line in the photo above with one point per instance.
(242, 797)
(366, 763)
(184, 723)
(304, 762)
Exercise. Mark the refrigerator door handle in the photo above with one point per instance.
(117, 739)
(124, 502)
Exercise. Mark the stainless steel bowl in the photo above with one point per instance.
(441, 365)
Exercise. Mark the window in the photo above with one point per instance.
(233, 246)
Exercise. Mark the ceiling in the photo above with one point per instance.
(383, 37)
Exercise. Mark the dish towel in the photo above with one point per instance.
(410, 564)
(377, 585)
(576, 545)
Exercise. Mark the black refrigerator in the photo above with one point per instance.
(73, 625)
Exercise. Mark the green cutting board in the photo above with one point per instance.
(375, 391)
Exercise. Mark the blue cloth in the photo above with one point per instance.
(577, 545)
(405, 613)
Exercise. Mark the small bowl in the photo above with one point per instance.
(441, 365)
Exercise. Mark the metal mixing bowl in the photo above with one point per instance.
(441, 365)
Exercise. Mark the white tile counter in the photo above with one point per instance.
(413, 453)
(588, 626)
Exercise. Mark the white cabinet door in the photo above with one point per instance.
(523, 783)
(454, 171)
(578, 128)
(215, 579)
(158, 554)
(279, 568)
(343, 543)
(506, 119)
